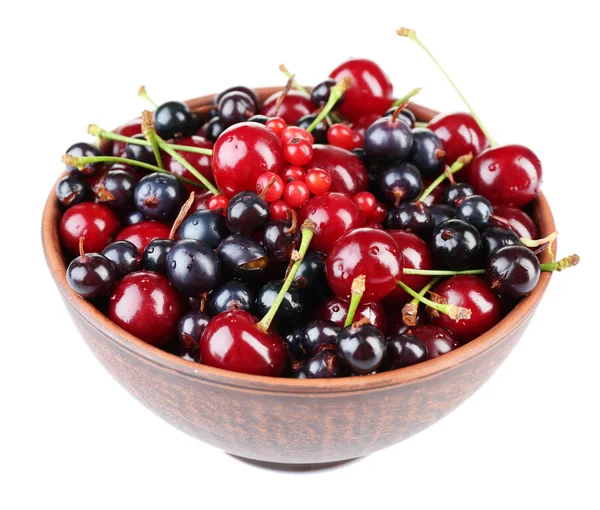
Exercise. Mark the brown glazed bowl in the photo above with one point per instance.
(288, 420)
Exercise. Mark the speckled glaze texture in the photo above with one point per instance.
(288, 420)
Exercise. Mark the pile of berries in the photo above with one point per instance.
(316, 234)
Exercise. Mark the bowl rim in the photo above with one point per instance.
(221, 377)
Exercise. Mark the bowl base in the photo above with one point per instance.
(277, 466)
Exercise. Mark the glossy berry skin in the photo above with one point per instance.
(506, 175)
(97, 223)
(124, 256)
(334, 214)
(159, 196)
(361, 348)
(291, 132)
(318, 181)
(324, 365)
(427, 152)
(117, 188)
(348, 173)
(473, 293)
(145, 305)
(298, 152)
(232, 295)
(371, 91)
(84, 150)
(456, 244)
(379, 213)
(142, 153)
(415, 255)
(72, 190)
(294, 106)
(276, 124)
(459, 133)
(475, 210)
(310, 276)
(413, 217)
(140, 234)
(242, 257)
(247, 213)
(341, 136)
(242, 153)
(272, 183)
(239, 88)
(155, 255)
(260, 119)
(399, 183)
(129, 129)
(290, 312)
(318, 335)
(213, 129)
(218, 203)
(279, 241)
(403, 351)
(131, 217)
(319, 133)
(520, 222)
(495, 238)
(293, 343)
(437, 340)
(441, 213)
(364, 251)
(454, 193)
(366, 201)
(233, 342)
(296, 193)
(189, 332)
(293, 173)
(405, 114)
(193, 267)
(92, 275)
(278, 210)
(172, 119)
(206, 225)
(234, 107)
(319, 95)
(335, 309)
(200, 162)
(388, 139)
(513, 271)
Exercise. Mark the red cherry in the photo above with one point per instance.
(232, 341)
(437, 340)
(272, 183)
(435, 196)
(520, 222)
(366, 201)
(358, 140)
(277, 125)
(96, 222)
(473, 293)
(278, 210)
(293, 173)
(140, 234)
(200, 162)
(335, 309)
(348, 173)
(131, 128)
(361, 124)
(506, 175)
(318, 181)
(379, 213)
(145, 305)
(242, 153)
(201, 200)
(298, 152)
(334, 214)
(371, 91)
(340, 135)
(416, 255)
(459, 133)
(292, 132)
(296, 193)
(294, 106)
(218, 202)
(364, 251)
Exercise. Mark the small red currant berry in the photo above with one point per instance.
(218, 202)
(293, 173)
(296, 132)
(298, 151)
(318, 181)
(270, 186)
(340, 135)
(366, 201)
(296, 193)
(379, 213)
(278, 210)
(277, 125)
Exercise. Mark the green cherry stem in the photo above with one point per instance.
(410, 310)
(405, 98)
(337, 91)
(357, 289)
(144, 95)
(453, 311)
(150, 134)
(307, 230)
(459, 164)
(562, 264)
(412, 35)
(295, 84)
(95, 130)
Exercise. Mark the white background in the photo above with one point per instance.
(71, 438)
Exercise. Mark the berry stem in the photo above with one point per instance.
(453, 311)
(441, 272)
(95, 130)
(308, 230)
(144, 94)
(295, 84)
(183, 212)
(405, 98)
(410, 310)
(283, 95)
(560, 265)
(459, 164)
(358, 289)
(412, 35)
(397, 111)
(81, 249)
(150, 134)
(337, 91)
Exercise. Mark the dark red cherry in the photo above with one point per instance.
(415, 255)
(92, 275)
(201, 200)
(97, 223)
(84, 149)
(124, 256)
(334, 214)
(473, 293)
(189, 331)
(361, 348)
(403, 351)
(145, 305)
(371, 91)
(348, 173)
(242, 153)
(506, 175)
(319, 334)
(323, 365)
(335, 309)
(518, 221)
(233, 342)
(239, 88)
(200, 162)
(129, 129)
(364, 251)
(459, 133)
(437, 340)
(140, 234)
(294, 106)
(513, 271)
